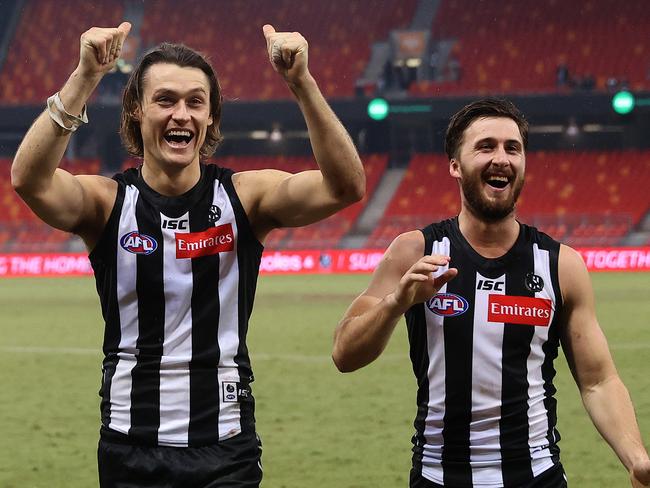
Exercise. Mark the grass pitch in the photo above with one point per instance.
(319, 428)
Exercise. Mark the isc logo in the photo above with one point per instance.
(447, 304)
(137, 243)
(490, 285)
(175, 224)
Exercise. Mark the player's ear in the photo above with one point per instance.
(136, 112)
(454, 168)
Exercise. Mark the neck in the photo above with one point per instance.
(489, 239)
(171, 182)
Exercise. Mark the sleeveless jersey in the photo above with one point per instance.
(176, 278)
(482, 350)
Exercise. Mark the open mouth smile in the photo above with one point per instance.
(497, 182)
(178, 138)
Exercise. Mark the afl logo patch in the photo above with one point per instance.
(137, 243)
(447, 304)
(533, 282)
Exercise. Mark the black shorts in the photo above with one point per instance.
(233, 463)
(551, 478)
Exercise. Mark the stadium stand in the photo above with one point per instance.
(582, 198)
(554, 33)
(20, 229)
(43, 54)
(338, 52)
(322, 235)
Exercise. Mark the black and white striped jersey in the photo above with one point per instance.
(482, 350)
(176, 278)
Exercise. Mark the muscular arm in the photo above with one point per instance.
(73, 204)
(281, 199)
(403, 278)
(604, 395)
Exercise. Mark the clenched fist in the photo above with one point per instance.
(100, 49)
(287, 53)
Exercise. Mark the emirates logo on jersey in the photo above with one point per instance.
(211, 241)
(519, 310)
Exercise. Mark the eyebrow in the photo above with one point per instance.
(169, 91)
(493, 140)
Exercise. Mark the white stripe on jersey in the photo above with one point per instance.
(487, 374)
(537, 413)
(228, 331)
(120, 393)
(177, 345)
(434, 421)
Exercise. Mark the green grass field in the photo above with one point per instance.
(319, 428)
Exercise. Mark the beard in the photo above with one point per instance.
(487, 209)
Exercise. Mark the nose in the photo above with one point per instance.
(500, 156)
(180, 113)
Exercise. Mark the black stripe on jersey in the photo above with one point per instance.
(204, 384)
(550, 349)
(103, 259)
(249, 256)
(418, 341)
(145, 391)
(458, 333)
(516, 467)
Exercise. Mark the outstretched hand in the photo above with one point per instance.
(100, 48)
(287, 53)
(640, 476)
(418, 283)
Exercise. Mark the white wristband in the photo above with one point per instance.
(63, 119)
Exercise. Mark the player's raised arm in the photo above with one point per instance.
(603, 393)
(403, 278)
(75, 204)
(292, 200)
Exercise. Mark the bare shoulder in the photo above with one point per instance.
(406, 248)
(98, 183)
(251, 185)
(403, 252)
(252, 179)
(100, 193)
(573, 275)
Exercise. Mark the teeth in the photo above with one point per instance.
(180, 133)
(499, 178)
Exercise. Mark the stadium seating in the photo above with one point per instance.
(526, 42)
(516, 46)
(20, 229)
(43, 54)
(427, 193)
(340, 33)
(582, 198)
(327, 233)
